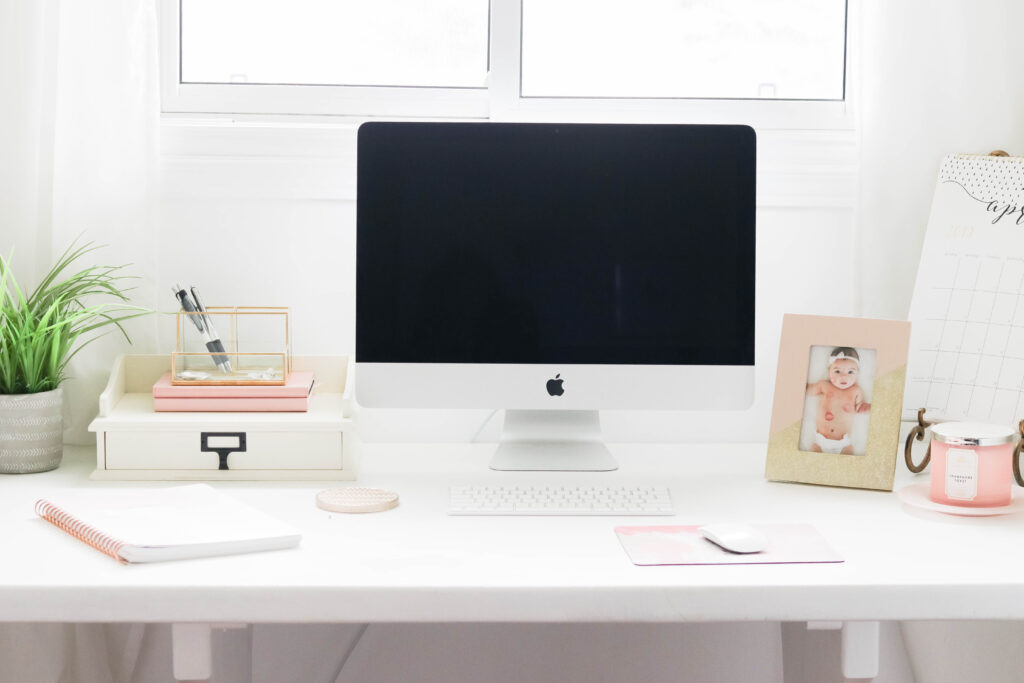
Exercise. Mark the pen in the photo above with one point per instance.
(186, 304)
(213, 342)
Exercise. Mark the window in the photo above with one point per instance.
(724, 49)
(656, 59)
(442, 43)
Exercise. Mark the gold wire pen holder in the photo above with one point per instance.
(232, 345)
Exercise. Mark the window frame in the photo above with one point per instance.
(500, 100)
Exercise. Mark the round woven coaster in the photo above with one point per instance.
(356, 499)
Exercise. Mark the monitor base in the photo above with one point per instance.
(552, 440)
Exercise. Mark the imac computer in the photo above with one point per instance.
(553, 270)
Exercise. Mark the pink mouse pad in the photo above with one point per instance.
(665, 545)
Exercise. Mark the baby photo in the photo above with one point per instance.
(837, 405)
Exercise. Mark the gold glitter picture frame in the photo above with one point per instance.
(838, 399)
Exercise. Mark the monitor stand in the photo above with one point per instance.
(552, 440)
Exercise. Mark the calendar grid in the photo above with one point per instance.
(942, 332)
(991, 310)
(1016, 306)
(972, 368)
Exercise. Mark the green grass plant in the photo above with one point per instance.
(40, 333)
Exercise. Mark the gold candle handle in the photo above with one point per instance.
(917, 433)
(1016, 455)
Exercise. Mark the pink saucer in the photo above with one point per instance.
(916, 495)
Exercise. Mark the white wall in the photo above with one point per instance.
(939, 78)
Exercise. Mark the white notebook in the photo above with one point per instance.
(177, 523)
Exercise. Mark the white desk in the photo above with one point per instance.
(416, 564)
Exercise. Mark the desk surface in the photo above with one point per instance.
(416, 564)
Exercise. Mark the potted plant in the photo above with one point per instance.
(39, 335)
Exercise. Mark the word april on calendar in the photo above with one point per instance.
(967, 313)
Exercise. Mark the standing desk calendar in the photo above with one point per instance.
(967, 312)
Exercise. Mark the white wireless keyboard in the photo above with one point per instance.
(559, 500)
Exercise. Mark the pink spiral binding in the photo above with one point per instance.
(83, 532)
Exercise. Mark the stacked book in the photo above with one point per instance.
(290, 397)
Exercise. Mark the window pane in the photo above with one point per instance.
(782, 49)
(441, 43)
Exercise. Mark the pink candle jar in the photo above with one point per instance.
(972, 464)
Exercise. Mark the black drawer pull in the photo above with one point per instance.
(222, 451)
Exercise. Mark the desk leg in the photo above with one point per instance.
(860, 645)
(192, 650)
(861, 642)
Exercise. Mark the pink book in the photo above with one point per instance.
(232, 405)
(298, 385)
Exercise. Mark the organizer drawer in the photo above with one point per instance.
(246, 450)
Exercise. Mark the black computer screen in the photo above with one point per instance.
(555, 243)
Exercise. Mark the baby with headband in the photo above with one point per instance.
(840, 399)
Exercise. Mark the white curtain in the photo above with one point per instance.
(79, 115)
(79, 132)
(27, 61)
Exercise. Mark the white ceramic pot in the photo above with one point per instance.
(31, 432)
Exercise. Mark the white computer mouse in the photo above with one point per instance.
(736, 538)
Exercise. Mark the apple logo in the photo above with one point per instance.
(555, 386)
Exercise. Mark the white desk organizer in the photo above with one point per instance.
(135, 443)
